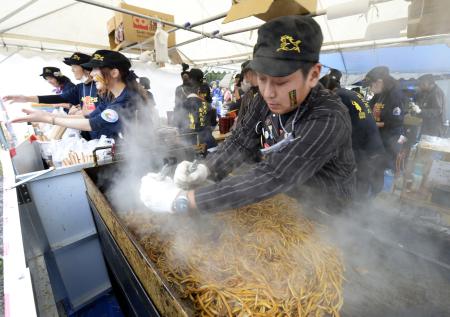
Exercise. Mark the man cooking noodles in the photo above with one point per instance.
(301, 130)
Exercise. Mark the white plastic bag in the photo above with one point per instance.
(161, 46)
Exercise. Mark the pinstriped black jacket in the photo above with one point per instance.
(317, 166)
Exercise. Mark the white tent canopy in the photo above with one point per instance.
(37, 33)
(71, 25)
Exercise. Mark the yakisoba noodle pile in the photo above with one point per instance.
(260, 260)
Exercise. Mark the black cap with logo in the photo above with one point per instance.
(107, 58)
(77, 58)
(49, 71)
(335, 74)
(285, 43)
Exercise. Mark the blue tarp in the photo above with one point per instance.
(404, 59)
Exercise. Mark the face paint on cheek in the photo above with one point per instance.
(99, 79)
(293, 98)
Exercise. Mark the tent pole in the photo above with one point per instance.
(43, 49)
(13, 36)
(11, 55)
(240, 30)
(36, 18)
(125, 11)
(216, 59)
(198, 23)
(352, 45)
(19, 9)
(38, 48)
(221, 63)
(204, 21)
(187, 58)
(156, 20)
(318, 13)
(220, 35)
(186, 42)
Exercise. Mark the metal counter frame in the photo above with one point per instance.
(59, 235)
(166, 300)
(132, 295)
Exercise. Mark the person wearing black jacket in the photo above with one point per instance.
(145, 83)
(430, 106)
(302, 130)
(191, 86)
(388, 105)
(83, 94)
(366, 141)
(250, 87)
(182, 91)
(199, 116)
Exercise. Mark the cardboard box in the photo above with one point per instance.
(269, 9)
(428, 17)
(439, 174)
(428, 174)
(125, 30)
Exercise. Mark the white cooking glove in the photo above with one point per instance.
(416, 108)
(402, 139)
(158, 193)
(184, 178)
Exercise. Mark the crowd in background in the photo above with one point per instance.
(110, 93)
(379, 109)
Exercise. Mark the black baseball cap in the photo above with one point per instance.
(107, 58)
(77, 58)
(427, 78)
(245, 67)
(196, 74)
(285, 43)
(50, 71)
(335, 74)
(145, 82)
(379, 72)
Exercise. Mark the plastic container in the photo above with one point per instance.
(46, 148)
(388, 182)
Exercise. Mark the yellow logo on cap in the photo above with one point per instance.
(75, 56)
(98, 57)
(288, 44)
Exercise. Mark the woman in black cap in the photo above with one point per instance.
(86, 92)
(121, 96)
(55, 78)
(83, 96)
